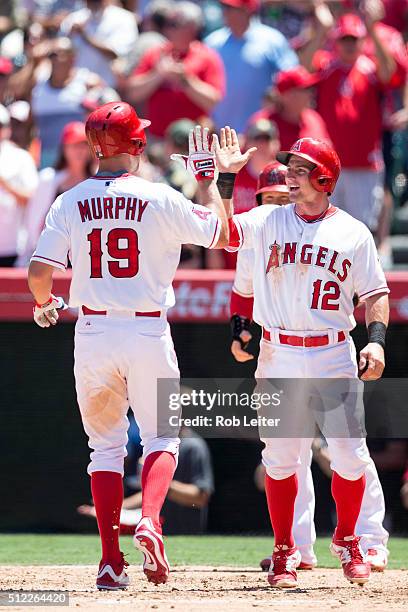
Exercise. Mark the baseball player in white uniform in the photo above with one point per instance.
(272, 189)
(309, 260)
(123, 236)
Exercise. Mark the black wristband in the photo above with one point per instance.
(225, 184)
(376, 333)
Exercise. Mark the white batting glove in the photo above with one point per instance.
(46, 314)
(201, 159)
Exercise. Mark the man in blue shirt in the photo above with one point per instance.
(252, 54)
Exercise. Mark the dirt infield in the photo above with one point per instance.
(192, 589)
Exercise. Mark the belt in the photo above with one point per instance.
(89, 311)
(306, 341)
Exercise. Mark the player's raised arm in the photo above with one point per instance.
(230, 160)
(201, 162)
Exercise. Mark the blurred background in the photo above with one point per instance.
(275, 71)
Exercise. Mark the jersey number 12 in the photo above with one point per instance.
(128, 254)
(326, 299)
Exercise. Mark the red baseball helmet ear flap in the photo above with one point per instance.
(321, 182)
(139, 145)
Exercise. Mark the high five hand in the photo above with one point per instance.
(228, 152)
(200, 160)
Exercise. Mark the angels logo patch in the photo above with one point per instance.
(202, 214)
(297, 146)
(274, 257)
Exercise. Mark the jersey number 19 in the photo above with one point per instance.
(128, 254)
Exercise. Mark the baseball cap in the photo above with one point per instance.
(73, 133)
(349, 24)
(272, 178)
(262, 127)
(6, 66)
(295, 78)
(178, 132)
(252, 5)
(4, 116)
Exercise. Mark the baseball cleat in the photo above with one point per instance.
(355, 568)
(282, 571)
(265, 564)
(377, 558)
(150, 542)
(109, 580)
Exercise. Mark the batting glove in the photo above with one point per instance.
(46, 314)
(201, 159)
(240, 324)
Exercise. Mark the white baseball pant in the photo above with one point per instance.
(281, 456)
(118, 361)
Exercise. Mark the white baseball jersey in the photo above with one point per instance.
(305, 273)
(123, 237)
(244, 272)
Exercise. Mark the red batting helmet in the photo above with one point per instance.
(272, 178)
(324, 176)
(115, 128)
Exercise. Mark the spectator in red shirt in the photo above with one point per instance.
(349, 96)
(181, 78)
(291, 110)
(396, 14)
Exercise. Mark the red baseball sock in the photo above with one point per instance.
(348, 495)
(157, 474)
(107, 493)
(281, 496)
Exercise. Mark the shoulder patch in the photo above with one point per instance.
(201, 213)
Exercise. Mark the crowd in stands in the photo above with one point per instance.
(275, 70)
